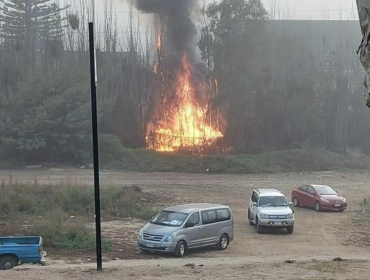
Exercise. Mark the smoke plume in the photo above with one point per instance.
(175, 16)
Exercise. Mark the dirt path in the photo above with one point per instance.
(253, 268)
(327, 235)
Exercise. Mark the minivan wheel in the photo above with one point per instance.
(317, 207)
(224, 242)
(7, 262)
(295, 202)
(290, 229)
(180, 249)
(259, 227)
(249, 218)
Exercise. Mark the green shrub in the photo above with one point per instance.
(356, 160)
(60, 231)
(111, 149)
(72, 200)
(79, 237)
(278, 161)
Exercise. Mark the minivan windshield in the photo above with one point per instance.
(273, 201)
(169, 218)
(325, 190)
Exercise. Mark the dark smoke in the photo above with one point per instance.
(179, 28)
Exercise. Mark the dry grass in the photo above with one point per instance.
(60, 213)
(332, 267)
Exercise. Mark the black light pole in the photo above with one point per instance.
(95, 148)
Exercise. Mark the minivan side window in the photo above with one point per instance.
(209, 216)
(223, 215)
(194, 218)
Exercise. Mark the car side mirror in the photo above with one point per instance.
(290, 204)
(254, 204)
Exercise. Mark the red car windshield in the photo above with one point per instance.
(325, 190)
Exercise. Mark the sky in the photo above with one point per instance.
(278, 9)
(314, 9)
(292, 9)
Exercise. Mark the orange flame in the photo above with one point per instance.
(159, 42)
(188, 127)
(216, 83)
(155, 68)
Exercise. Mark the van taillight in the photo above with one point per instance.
(40, 250)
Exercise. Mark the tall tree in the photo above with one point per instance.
(228, 44)
(31, 27)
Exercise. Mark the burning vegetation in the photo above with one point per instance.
(184, 118)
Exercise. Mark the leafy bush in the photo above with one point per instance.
(72, 200)
(79, 237)
(61, 233)
(356, 160)
(49, 119)
(111, 149)
(54, 206)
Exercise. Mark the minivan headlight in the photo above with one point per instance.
(264, 216)
(170, 238)
(290, 216)
(141, 233)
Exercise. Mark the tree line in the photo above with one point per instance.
(275, 91)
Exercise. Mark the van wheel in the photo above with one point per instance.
(295, 202)
(224, 242)
(249, 218)
(7, 262)
(290, 229)
(259, 227)
(180, 249)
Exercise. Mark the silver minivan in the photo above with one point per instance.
(179, 228)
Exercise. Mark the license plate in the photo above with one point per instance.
(337, 205)
(150, 245)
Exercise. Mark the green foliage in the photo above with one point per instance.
(111, 149)
(60, 213)
(72, 199)
(79, 237)
(281, 88)
(49, 120)
(59, 231)
(285, 89)
(31, 32)
(233, 23)
(276, 161)
(24, 17)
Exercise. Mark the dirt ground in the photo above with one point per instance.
(318, 237)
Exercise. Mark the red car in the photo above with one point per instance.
(319, 197)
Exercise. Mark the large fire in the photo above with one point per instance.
(188, 126)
